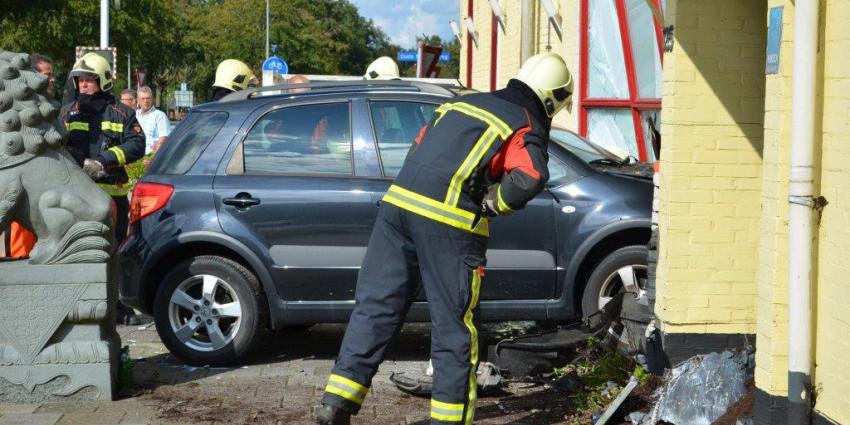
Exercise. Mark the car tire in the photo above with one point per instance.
(210, 310)
(607, 278)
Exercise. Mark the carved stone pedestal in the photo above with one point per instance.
(57, 332)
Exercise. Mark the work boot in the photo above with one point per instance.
(332, 415)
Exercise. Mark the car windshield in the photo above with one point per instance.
(580, 147)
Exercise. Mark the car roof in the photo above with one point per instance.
(337, 87)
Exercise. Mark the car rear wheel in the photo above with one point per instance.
(623, 270)
(210, 310)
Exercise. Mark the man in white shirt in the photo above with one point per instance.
(153, 121)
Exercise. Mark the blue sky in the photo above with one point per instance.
(404, 20)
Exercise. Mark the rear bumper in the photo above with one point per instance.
(131, 256)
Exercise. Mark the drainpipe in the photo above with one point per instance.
(802, 203)
(526, 31)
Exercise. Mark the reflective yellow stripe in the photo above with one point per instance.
(83, 126)
(112, 126)
(472, 159)
(503, 128)
(346, 388)
(503, 206)
(448, 412)
(473, 345)
(435, 210)
(114, 190)
(119, 155)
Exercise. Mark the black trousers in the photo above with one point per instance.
(122, 218)
(404, 247)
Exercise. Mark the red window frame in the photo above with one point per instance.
(634, 102)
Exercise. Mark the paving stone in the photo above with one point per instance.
(105, 416)
(6, 408)
(30, 419)
(77, 406)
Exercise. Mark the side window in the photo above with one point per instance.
(559, 172)
(186, 142)
(310, 139)
(396, 126)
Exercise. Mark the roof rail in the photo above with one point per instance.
(338, 84)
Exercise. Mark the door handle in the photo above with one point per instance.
(242, 200)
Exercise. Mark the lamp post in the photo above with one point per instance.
(104, 24)
(268, 20)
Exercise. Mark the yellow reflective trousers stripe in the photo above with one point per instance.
(114, 190)
(119, 155)
(346, 388)
(473, 345)
(436, 210)
(447, 412)
(112, 126)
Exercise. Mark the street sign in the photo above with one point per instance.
(276, 64)
(183, 98)
(413, 56)
(426, 66)
(774, 40)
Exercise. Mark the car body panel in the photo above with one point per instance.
(307, 236)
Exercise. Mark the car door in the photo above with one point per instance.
(290, 192)
(521, 252)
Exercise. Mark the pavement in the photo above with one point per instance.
(280, 383)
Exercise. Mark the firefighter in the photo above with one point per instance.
(230, 76)
(103, 135)
(482, 155)
(383, 68)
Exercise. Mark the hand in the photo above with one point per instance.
(93, 168)
(489, 206)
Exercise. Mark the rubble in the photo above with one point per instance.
(701, 389)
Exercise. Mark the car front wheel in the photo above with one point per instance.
(210, 310)
(623, 270)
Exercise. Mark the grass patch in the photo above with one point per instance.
(601, 372)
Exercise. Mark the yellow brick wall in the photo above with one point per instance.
(510, 42)
(712, 114)
(772, 329)
(832, 374)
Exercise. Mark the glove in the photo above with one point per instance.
(94, 169)
(489, 206)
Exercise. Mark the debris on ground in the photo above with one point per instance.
(701, 389)
(489, 379)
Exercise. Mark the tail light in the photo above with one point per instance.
(148, 198)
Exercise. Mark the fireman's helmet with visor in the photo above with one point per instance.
(550, 79)
(93, 65)
(234, 75)
(383, 68)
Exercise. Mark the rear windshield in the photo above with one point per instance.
(182, 148)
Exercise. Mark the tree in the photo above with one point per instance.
(185, 40)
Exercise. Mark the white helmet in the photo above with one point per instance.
(234, 75)
(547, 75)
(93, 65)
(383, 68)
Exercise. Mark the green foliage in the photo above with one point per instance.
(184, 40)
(595, 365)
(136, 170)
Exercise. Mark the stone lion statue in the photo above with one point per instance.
(41, 187)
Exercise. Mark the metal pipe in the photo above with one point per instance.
(526, 30)
(800, 195)
(104, 24)
(268, 28)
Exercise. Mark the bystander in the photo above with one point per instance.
(154, 122)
